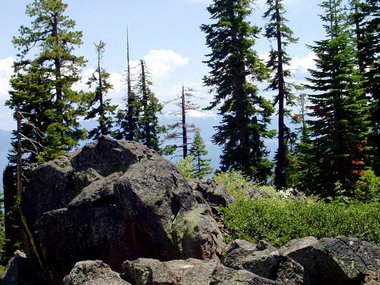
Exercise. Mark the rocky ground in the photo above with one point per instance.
(116, 212)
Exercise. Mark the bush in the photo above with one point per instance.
(240, 186)
(368, 187)
(186, 168)
(278, 221)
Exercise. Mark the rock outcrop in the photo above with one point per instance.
(337, 261)
(20, 271)
(188, 272)
(94, 272)
(115, 201)
(264, 260)
(117, 213)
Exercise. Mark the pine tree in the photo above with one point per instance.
(299, 170)
(99, 106)
(366, 20)
(45, 71)
(277, 30)
(127, 119)
(151, 107)
(339, 111)
(234, 67)
(197, 151)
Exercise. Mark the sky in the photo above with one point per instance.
(165, 33)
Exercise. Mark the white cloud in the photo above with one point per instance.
(302, 64)
(6, 70)
(201, 114)
(163, 62)
(117, 81)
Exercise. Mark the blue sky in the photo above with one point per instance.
(165, 33)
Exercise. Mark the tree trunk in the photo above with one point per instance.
(184, 127)
(280, 172)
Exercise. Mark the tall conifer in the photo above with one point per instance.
(99, 106)
(45, 70)
(277, 30)
(127, 118)
(339, 112)
(149, 128)
(366, 23)
(234, 67)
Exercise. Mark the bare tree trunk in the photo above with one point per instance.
(184, 127)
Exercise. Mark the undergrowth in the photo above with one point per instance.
(278, 217)
(278, 221)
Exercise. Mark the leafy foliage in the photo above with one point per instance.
(278, 221)
(186, 168)
(368, 187)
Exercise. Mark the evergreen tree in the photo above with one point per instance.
(45, 71)
(198, 151)
(277, 30)
(234, 67)
(128, 118)
(339, 111)
(99, 106)
(299, 169)
(148, 121)
(366, 21)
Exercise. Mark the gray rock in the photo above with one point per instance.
(145, 271)
(340, 261)
(228, 276)
(372, 278)
(188, 272)
(264, 260)
(19, 271)
(214, 194)
(257, 258)
(93, 272)
(113, 201)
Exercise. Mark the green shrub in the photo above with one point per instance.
(278, 221)
(234, 182)
(240, 186)
(368, 187)
(186, 168)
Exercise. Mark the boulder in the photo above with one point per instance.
(115, 201)
(20, 271)
(188, 272)
(338, 261)
(372, 278)
(93, 272)
(264, 260)
(145, 271)
(227, 276)
(214, 194)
